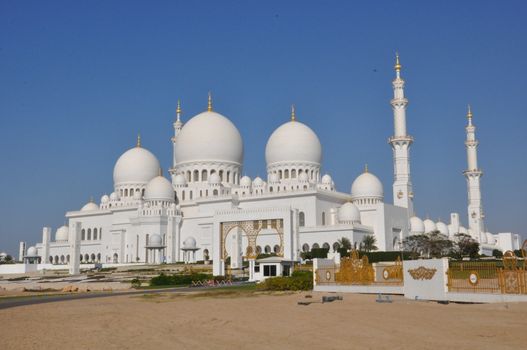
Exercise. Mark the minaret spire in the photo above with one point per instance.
(209, 107)
(401, 142)
(178, 111)
(473, 175)
(178, 125)
(138, 140)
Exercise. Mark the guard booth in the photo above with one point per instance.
(273, 266)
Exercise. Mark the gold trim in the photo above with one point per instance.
(422, 273)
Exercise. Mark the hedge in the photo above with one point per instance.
(374, 257)
(174, 280)
(299, 280)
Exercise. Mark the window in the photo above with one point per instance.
(100, 233)
(336, 246)
(301, 219)
(95, 234)
(83, 235)
(325, 246)
(276, 249)
(286, 173)
(315, 246)
(293, 173)
(323, 218)
(89, 234)
(221, 175)
(204, 175)
(267, 249)
(269, 270)
(196, 176)
(305, 247)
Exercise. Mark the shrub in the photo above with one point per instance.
(299, 280)
(178, 279)
(497, 253)
(136, 283)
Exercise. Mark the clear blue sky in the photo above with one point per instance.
(79, 79)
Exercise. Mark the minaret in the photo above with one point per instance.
(401, 142)
(473, 175)
(178, 124)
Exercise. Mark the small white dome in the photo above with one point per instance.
(326, 179)
(257, 182)
(136, 166)
(155, 240)
(303, 177)
(114, 196)
(62, 234)
(105, 199)
(463, 230)
(430, 226)
(273, 178)
(245, 181)
(90, 206)
(31, 252)
(189, 243)
(293, 142)
(417, 226)
(442, 228)
(214, 179)
(159, 188)
(349, 212)
(209, 136)
(367, 185)
(180, 180)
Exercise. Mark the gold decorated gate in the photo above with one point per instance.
(252, 229)
(356, 270)
(508, 276)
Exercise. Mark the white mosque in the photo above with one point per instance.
(208, 211)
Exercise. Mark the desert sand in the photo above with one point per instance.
(261, 321)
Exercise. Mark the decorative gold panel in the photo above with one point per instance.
(422, 273)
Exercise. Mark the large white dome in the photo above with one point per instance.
(366, 185)
(90, 206)
(62, 234)
(293, 142)
(155, 240)
(137, 165)
(31, 252)
(430, 226)
(159, 188)
(442, 228)
(209, 136)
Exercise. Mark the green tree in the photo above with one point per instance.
(368, 243)
(465, 245)
(344, 243)
(430, 245)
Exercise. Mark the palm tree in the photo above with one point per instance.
(344, 243)
(368, 243)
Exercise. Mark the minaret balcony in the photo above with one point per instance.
(473, 173)
(401, 139)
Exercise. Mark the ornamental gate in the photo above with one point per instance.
(354, 270)
(508, 276)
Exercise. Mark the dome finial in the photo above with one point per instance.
(209, 107)
(293, 114)
(138, 140)
(91, 199)
(178, 109)
(366, 168)
(397, 63)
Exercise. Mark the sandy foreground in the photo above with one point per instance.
(249, 321)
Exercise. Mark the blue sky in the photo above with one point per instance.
(79, 80)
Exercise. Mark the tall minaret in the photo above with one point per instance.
(473, 175)
(401, 142)
(178, 124)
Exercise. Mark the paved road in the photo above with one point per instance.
(32, 300)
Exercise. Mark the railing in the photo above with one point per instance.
(508, 276)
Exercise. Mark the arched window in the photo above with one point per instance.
(95, 234)
(293, 174)
(62, 259)
(280, 174)
(115, 258)
(301, 219)
(89, 234)
(271, 189)
(131, 192)
(204, 175)
(221, 175)
(205, 254)
(92, 257)
(258, 250)
(51, 260)
(276, 249)
(325, 246)
(182, 195)
(215, 192)
(323, 218)
(143, 192)
(83, 234)
(228, 176)
(267, 249)
(100, 233)
(126, 192)
(81, 258)
(336, 246)
(190, 195)
(286, 173)
(196, 176)
(305, 247)
(99, 257)
(86, 257)
(68, 258)
(188, 175)
(201, 193)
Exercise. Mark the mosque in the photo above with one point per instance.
(206, 211)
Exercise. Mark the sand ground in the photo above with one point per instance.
(261, 321)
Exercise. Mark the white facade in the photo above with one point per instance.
(149, 219)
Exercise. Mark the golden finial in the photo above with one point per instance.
(138, 140)
(178, 109)
(397, 63)
(293, 114)
(209, 108)
(365, 168)
(469, 113)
